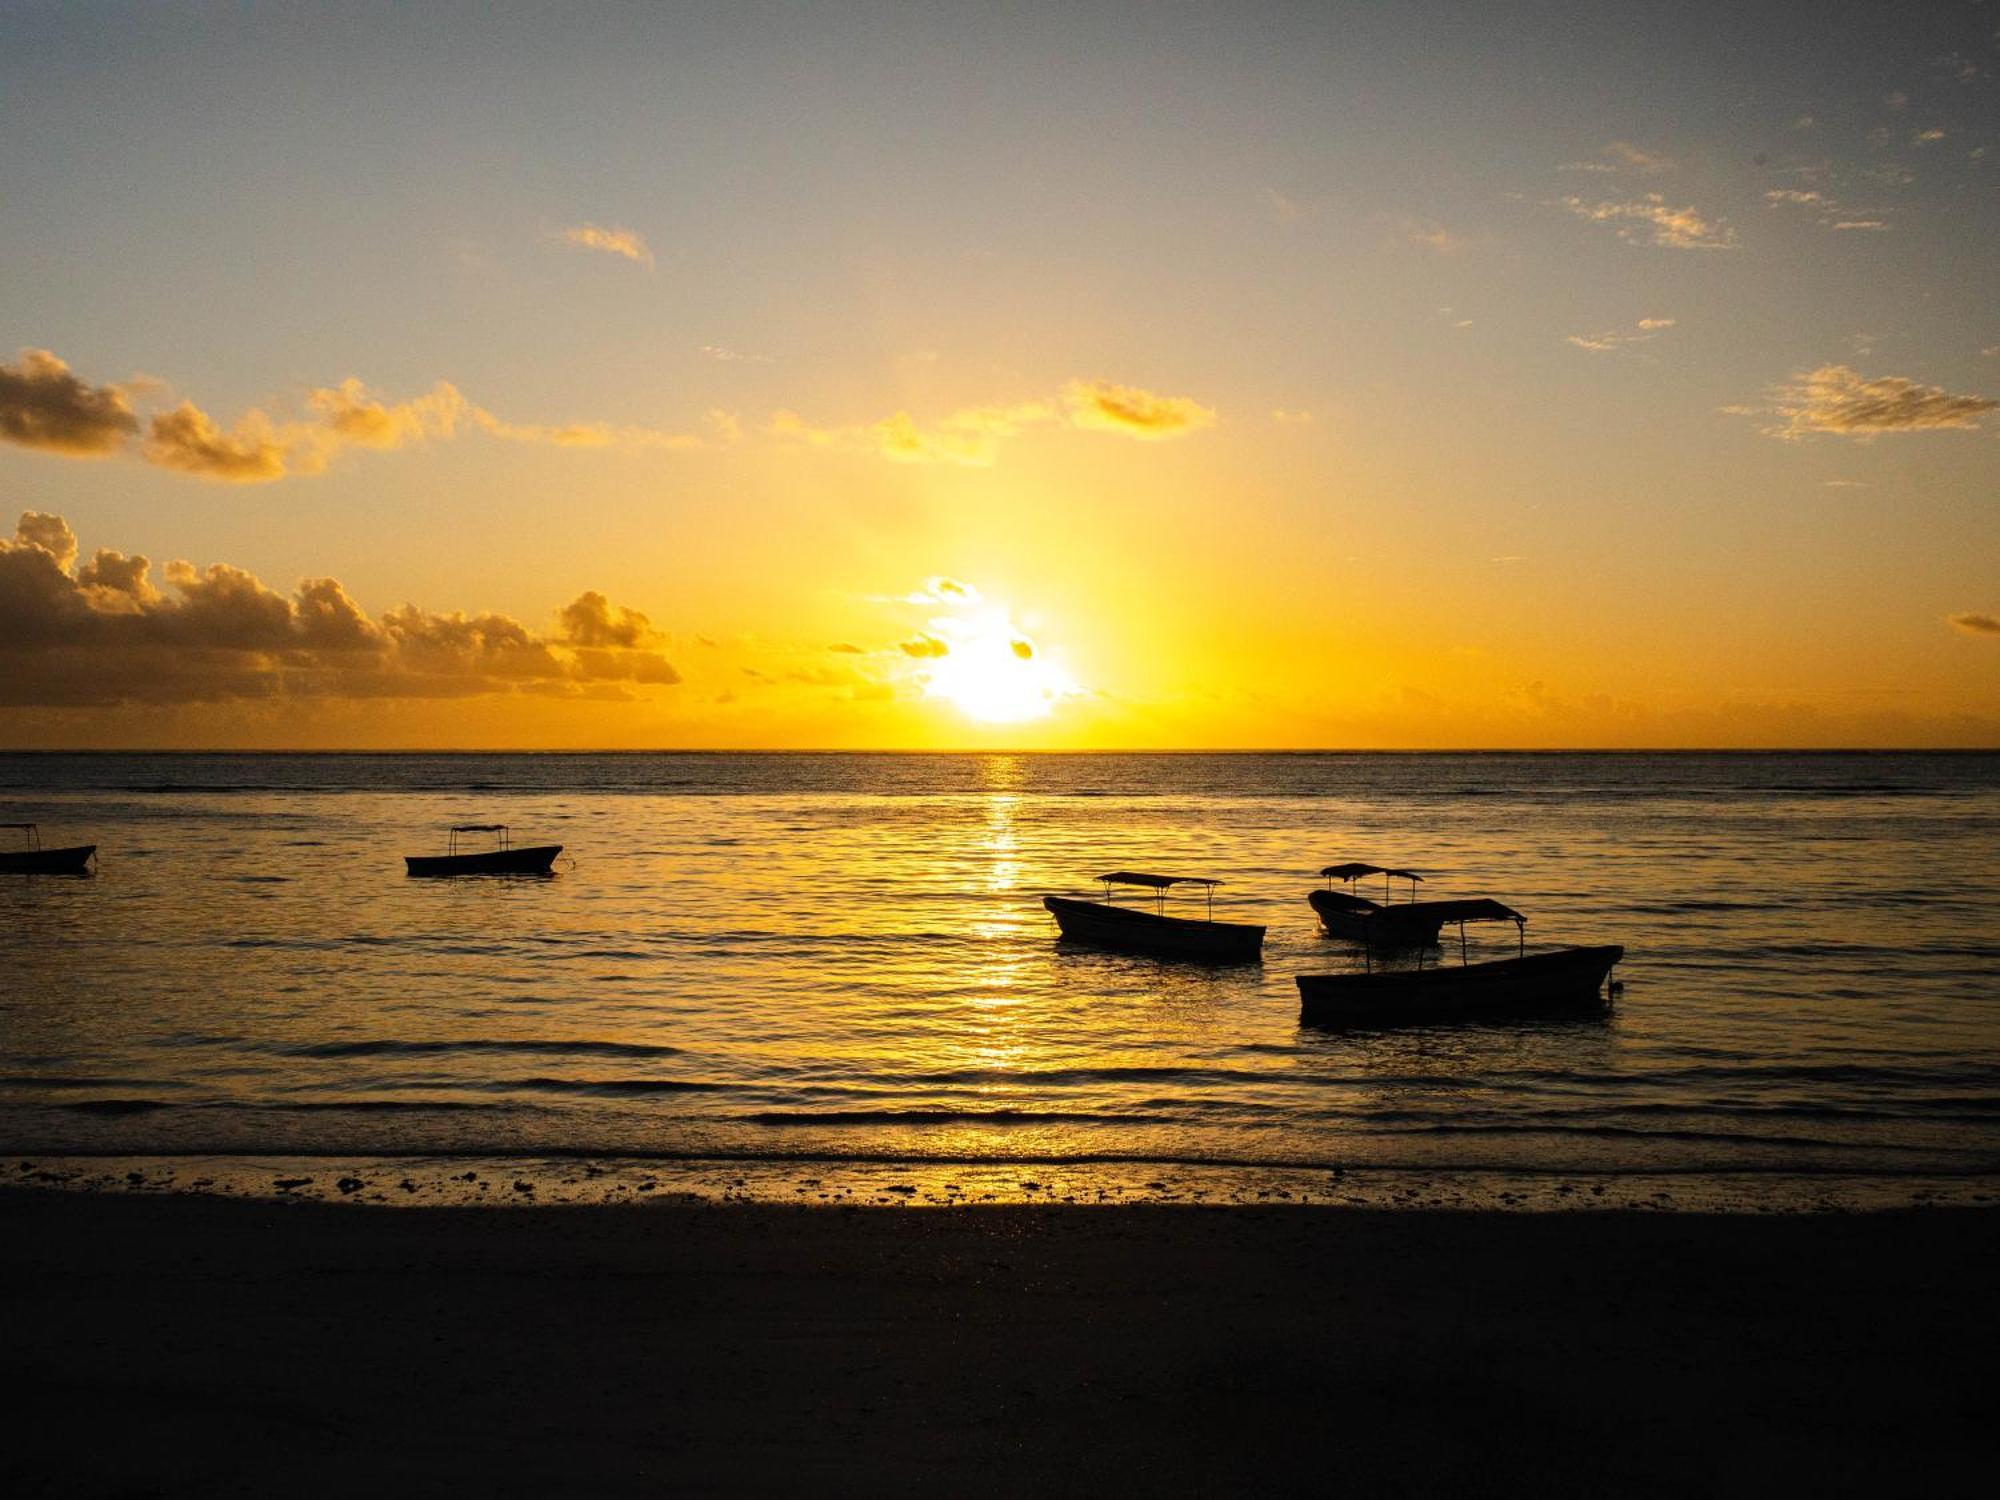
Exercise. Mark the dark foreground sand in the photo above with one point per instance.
(183, 1345)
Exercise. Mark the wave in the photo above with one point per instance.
(943, 1117)
(396, 1047)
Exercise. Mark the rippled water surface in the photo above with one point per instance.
(845, 956)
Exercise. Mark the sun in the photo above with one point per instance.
(990, 671)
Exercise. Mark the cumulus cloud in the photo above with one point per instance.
(44, 405)
(1650, 220)
(1838, 399)
(1973, 624)
(188, 439)
(612, 240)
(100, 633)
(925, 645)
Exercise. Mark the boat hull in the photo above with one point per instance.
(73, 861)
(534, 861)
(1363, 921)
(1570, 980)
(1132, 931)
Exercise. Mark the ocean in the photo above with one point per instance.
(830, 977)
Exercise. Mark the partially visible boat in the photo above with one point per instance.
(1562, 981)
(1105, 924)
(504, 859)
(1348, 913)
(33, 859)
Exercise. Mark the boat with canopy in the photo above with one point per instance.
(1348, 913)
(1106, 924)
(1564, 980)
(33, 859)
(502, 859)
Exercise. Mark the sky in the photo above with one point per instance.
(1027, 376)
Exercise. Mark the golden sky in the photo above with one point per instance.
(772, 376)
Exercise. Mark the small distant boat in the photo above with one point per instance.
(1105, 924)
(35, 860)
(1349, 914)
(501, 860)
(1565, 980)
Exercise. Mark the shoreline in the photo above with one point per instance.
(511, 1180)
(182, 1344)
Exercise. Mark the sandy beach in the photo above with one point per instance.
(182, 1344)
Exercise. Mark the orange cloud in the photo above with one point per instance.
(1837, 399)
(1651, 220)
(1109, 407)
(628, 243)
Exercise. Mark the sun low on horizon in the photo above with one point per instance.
(1287, 377)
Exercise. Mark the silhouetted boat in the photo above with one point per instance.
(1105, 924)
(35, 860)
(1563, 980)
(1349, 914)
(503, 860)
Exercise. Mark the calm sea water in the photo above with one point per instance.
(844, 957)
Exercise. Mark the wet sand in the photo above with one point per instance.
(182, 1344)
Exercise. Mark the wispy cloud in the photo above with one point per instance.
(1110, 407)
(1974, 624)
(972, 436)
(1622, 156)
(612, 240)
(1617, 338)
(733, 356)
(1837, 400)
(1651, 220)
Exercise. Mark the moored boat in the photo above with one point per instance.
(1105, 924)
(35, 860)
(1349, 914)
(502, 860)
(1562, 981)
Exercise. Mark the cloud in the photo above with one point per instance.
(1109, 407)
(1622, 156)
(351, 414)
(1802, 196)
(100, 633)
(1973, 624)
(612, 241)
(1651, 220)
(44, 405)
(846, 648)
(732, 356)
(1839, 400)
(1606, 342)
(187, 439)
(1292, 418)
(925, 645)
(1926, 137)
(1863, 224)
(972, 435)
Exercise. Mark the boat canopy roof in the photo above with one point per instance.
(1356, 870)
(1154, 882)
(17, 825)
(479, 828)
(1477, 909)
